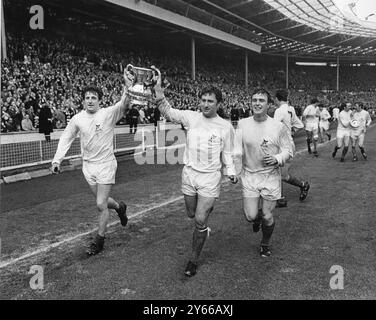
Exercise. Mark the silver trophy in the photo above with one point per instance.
(143, 80)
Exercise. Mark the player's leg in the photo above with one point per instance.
(270, 191)
(251, 196)
(326, 131)
(102, 195)
(361, 145)
(354, 140)
(251, 208)
(294, 181)
(309, 140)
(315, 135)
(346, 142)
(190, 205)
(282, 202)
(188, 188)
(321, 133)
(200, 190)
(257, 222)
(201, 231)
(339, 143)
(120, 207)
(267, 226)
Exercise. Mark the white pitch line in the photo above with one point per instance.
(57, 244)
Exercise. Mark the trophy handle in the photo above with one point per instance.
(129, 67)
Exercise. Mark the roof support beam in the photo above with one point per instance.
(307, 33)
(289, 28)
(189, 24)
(325, 37)
(236, 5)
(343, 41)
(275, 21)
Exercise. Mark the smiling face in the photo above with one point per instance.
(91, 102)
(209, 105)
(260, 104)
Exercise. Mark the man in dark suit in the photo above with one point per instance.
(133, 117)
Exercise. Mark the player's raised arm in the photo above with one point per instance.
(124, 102)
(174, 115)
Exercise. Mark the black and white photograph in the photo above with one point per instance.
(188, 155)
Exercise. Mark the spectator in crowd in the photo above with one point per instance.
(234, 114)
(45, 122)
(156, 116)
(142, 115)
(243, 111)
(42, 69)
(26, 123)
(133, 117)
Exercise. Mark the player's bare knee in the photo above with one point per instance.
(200, 224)
(102, 206)
(267, 219)
(250, 216)
(267, 214)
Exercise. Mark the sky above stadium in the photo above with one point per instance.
(350, 17)
(364, 10)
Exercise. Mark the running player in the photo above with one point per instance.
(95, 125)
(358, 129)
(287, 115)
(310, 118)
(267, 145)
(343, 131)
(324, 122)
(209, 145)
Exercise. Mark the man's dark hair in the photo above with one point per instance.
(320, 105)
(314, 100)
(212, 90)
(92, 89)
(282, 95)
(360, 104)
(262, 91)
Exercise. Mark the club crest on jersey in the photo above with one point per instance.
(264, 145)
(214, 138)
(98, 127)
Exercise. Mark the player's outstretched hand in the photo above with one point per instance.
(159, 91)
(233, 179)
(55, 168)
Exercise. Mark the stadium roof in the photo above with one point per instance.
(310, 28)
